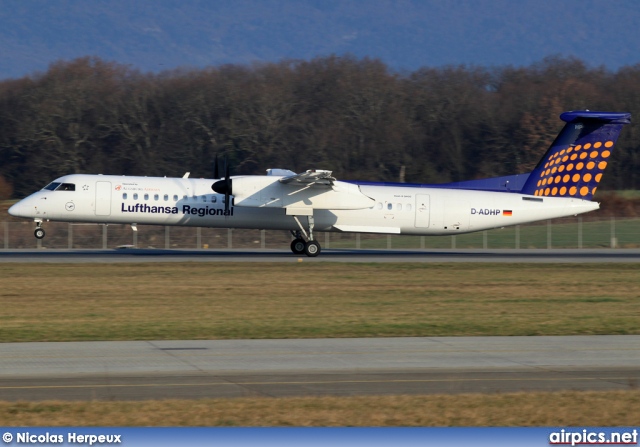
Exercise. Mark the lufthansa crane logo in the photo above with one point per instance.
(70, 206)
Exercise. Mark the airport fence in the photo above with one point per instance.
(577, 232)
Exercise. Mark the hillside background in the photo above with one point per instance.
(155, 35)
(420, 91)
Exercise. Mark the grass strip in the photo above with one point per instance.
(66, 302)
(569, 408)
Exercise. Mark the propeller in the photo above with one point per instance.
(216, 172)
(224, 186)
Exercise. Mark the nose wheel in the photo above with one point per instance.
(39, 233)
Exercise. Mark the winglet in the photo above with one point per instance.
(573, 165)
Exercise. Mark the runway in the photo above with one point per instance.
(137, 370)
(329, 255)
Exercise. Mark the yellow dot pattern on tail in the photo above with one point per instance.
(562, 172)
(574, 164)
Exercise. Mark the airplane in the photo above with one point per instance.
(562, 184)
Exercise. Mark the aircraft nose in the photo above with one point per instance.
(17, 210)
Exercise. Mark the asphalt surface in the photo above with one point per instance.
(329, 255)
(139, 370)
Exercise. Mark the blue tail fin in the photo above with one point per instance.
(573, 165)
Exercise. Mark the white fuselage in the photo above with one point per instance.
(191, 202)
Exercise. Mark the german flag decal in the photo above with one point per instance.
(507, 213)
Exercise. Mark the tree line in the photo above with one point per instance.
(356, 117)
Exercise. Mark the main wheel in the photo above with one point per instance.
(312, 249)
(297, 246)
(39, 233)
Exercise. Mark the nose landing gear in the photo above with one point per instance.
(39, 232)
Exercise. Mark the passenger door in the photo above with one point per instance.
(103, 198)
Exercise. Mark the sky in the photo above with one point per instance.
(157, 35)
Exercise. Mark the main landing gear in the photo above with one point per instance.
(300, 246)
(39, 232)
(304, 243)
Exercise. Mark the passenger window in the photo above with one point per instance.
(135, 196)
(408, 207)
(399, 206)
(156, 197)
(185, 198)
(124, 195)
(146, 197)
(204, 198)
(379, 205)
(214, 199)
(166, 197)
(175, 198)
(389, 206)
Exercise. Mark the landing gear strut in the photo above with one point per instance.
(303, 242)
(39, 232)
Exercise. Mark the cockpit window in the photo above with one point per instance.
(52, 186)
(56, 186)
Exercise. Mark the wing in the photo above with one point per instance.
(313, 189)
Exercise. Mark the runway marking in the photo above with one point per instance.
(321, 382)
(309, 353)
